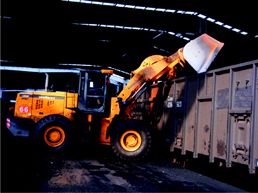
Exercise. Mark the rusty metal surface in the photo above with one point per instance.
(254, 134)
(215, 114)
(190, 116)
(204, 127)
(179, 94)
(221, 100)
(224, 115)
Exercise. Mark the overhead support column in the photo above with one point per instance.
(46, 81)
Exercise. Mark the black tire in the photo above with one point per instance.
(53, 134)
(140, 145)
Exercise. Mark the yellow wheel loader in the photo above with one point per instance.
(52, 119)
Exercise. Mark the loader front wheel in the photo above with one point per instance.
(131, 141)
(53, 134)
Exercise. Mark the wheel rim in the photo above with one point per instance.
(54, 136)
(131, 140)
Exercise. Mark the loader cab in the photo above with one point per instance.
(96, 87)
(92, 91)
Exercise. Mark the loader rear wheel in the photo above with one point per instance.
(53, 133)
(54, 136)
(131, 141)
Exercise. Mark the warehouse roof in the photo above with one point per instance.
(121, 34)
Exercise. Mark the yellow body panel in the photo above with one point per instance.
(105, 122)
(23, 106)
(36, 105)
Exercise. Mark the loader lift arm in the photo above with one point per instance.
(151, 69)
(198, 53)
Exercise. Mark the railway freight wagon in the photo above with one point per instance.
(213, 114)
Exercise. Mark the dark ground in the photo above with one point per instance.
(95, 170)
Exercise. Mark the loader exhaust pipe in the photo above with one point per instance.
(200, 52)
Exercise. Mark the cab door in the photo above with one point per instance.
(92, 92)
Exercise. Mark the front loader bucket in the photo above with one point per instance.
(200, 52)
